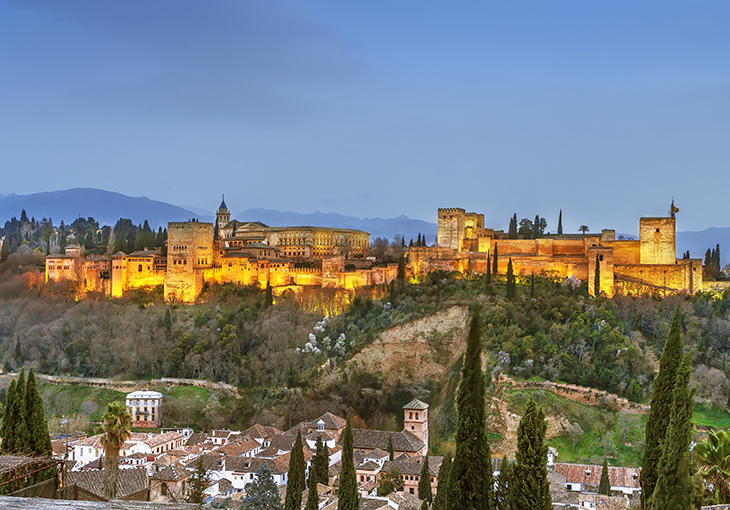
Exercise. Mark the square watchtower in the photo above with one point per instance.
(415, 419)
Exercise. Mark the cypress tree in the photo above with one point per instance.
(673, 490)
(5, 252)
(504, 481)
(512, 233)
(18, 352)
(8, 429)
(390, 449)
(349, 497)
(604, 486)
(402, 268)
(536, 227)
(495, 262)
(661, 409)
(22, 436)
(312, 493)
(511, 286)
(560, 223)
(321, 463)
(40, 440)
(530, 487)
(470, 478)
(597, 278)
(489, 270)
(418, 242)
(296, 481)
(441, 500)
(424, 482)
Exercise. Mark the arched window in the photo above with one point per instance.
(139, 268)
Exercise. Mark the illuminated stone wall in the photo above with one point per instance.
(451, 224)
(603, 256)
(650, 278)
(658, 240)
(189, 255)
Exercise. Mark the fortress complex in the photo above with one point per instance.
(625, 266)
(228, 251)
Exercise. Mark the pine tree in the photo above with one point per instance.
(511, 285)
(495, 262)
(40, 440)
(296, 478)
(312, 493)
(349, 497)
(424, 482)
(22, 435)
(321, 463)
(263, 494)
(470, 478)
(560, 223)
(390, 449)
(441, 500)
(660, 409)
(597, 278)
(7, 433)
(604, 486)
(673, 490)
(501, 491)
(530, 487)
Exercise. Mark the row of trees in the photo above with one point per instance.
(84, 232)
(24, 430)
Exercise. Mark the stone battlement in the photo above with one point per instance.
(451, 210)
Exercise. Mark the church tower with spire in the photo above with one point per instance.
(222, 215)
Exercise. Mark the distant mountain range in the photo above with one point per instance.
(107, 207)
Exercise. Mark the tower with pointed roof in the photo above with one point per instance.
(222, 215)
(415, 419)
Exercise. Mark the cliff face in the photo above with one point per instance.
(418, 350)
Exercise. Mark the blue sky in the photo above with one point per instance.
(605, 110)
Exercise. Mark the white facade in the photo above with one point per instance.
(144, 406)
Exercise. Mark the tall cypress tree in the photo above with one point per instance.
(495, 262)
(604, 486)
(489, 270)
(530, 487)
(22, 436)
(40, 440)
(312, 493)
(662, 400)
(673, 490)
(295, 484)
(560, 223)
(321, 462)
(8, 429)
(441, 500)
(504, 482)
(597, 278)
(391, 452)
(511, 285)
(512, 233)
(532, 285)
(424, 482)
(348, 495)
(470, 479)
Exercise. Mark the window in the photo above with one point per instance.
(139, 268)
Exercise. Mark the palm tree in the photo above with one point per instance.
(116, 421)
(713, 457)
(583, 228)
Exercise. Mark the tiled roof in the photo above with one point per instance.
(173, 473)
(283, 442)
(196, 438)
(369, 466)
(377, 454)
(331, 422)
(224, 484)
(370, 439)
(414, 466)
(277, 466)
(259, 431)
(210, 461)
(239, 446)
(129, 481)
(322, 434)
(94, 441)
(416, 404)
(591, 474)
(160, 439)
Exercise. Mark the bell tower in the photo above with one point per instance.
(222, 216)
(415, 420)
